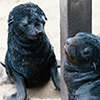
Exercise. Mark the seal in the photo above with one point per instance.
(82, 66)
(30, 58)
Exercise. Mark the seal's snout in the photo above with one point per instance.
(39, 32)
(67, 43)
(70, 48)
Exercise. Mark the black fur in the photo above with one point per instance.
(30, 55)
(82, 67)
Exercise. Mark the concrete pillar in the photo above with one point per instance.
(75, 16)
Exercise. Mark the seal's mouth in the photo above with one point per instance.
(66, 50)
(33, 35)
(70, 51)
(70, 48)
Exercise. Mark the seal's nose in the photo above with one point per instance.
(71, 41)
(39, 32)
(68, 41)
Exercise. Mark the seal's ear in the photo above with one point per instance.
(44, 18)
(10, 20)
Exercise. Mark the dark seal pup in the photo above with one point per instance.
(30, 59)
(82, 67)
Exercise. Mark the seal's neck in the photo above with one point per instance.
(26, 42)
(24, 47)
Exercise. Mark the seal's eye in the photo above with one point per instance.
(86, 51)
(25, 24)
(29, 22)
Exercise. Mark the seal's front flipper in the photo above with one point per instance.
(20, 86)
(55, 75)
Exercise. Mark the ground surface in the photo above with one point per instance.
(51, 9)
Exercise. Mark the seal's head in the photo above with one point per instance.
(27, 20)
(83, 48)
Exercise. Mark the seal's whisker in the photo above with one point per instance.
(94, 65)
(22, 36)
